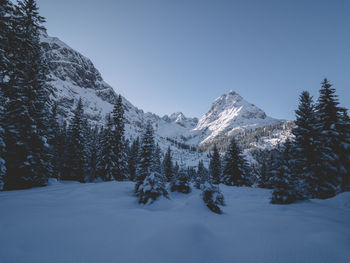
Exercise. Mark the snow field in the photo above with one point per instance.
(102, 222)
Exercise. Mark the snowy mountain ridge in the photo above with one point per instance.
(73, 76)
(231, 114)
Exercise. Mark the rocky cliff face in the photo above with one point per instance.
(72, 76)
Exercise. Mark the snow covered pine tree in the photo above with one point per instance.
(181, 182)
(201, 175)
(118, 141)
(25, 119)
(150, 184)
(215, 166)
(168, 165)
(212, 197)
(77, 158)
(106, 155)
(331, 172)
(305, 155)
(286, 186)
(236, 169)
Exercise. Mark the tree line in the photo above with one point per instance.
(35, 146)
(314, 163)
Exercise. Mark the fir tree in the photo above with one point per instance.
(106, 156)
(212, 197)
(235, 166)
(215, 166)
(181, 183)
(6, 15)
(77, 158)
(118, 142)
(201, 175)
(176, 170)
(53, 140)
(28, 157)
(133, 158)
(149, 183)
(61, 150)
(284, 183)
(264, 169)
(6, 35)
(146, 156)
(168, 165)
(91, 147)
(152, 187)
(2, 145)
(329, 169)
(191, 173)
(305, 154)
(157, 165)
(344, 133)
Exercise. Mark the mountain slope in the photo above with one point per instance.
(231, 114)
(73, 76)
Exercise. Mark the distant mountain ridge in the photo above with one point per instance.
(73, 76)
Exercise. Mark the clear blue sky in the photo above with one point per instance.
(166, 56)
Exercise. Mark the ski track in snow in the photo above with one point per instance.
(102, 222)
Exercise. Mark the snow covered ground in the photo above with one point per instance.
(102, 222)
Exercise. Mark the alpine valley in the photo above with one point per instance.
(73, 76)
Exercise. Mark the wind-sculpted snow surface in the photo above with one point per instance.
(102, 222)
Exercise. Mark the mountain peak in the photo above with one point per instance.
(181, 119)
(230, 113)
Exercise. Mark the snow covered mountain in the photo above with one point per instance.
(73, 76)
(231, 114)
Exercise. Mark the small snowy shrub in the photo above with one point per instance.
(281, 197)
(152, 187)
(212, 197)
(181, 183)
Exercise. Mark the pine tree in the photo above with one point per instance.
(133, 158)
(235, 166)
(212, 197)
(118, 142)
(330, 171)
(202, 175)
(6, 35)
(77, 158)
(146, 156)
(62, 146)
(149, 183)
(168, 165)
(157, 165)
(304, 148)
(106, 155)
(152, 187)
(215, 166)
(191, 173)
(181, 183)
(344, 133)
(53, 140)
(176, 169)
(2, 145)
(28, 157)
(284, 183)
(91, 149)
(264, 180)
